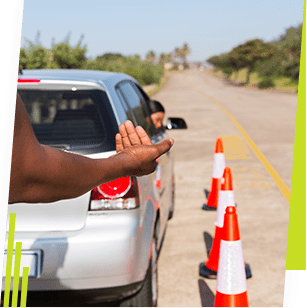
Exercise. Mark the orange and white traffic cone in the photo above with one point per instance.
(231, 290)
(217, 173)
(226, 198)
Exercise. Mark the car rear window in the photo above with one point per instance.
(81, 121)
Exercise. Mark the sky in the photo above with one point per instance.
(137, 26)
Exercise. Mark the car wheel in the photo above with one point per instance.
(172, 206)
(148, 295)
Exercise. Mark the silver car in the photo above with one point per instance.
(104, 244)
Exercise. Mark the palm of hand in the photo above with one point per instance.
(134, 145)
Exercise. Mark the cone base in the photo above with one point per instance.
(231, 300)
(206, 272)
(208, 207)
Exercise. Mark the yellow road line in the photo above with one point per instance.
(273, 173)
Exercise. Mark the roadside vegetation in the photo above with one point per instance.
(63, 55)
(265, 65)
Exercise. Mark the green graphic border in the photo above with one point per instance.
(8, 273)
(9, 260)
(296, 249)
(296, 252)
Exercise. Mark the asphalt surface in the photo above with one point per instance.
(208, 105)
(268, 118)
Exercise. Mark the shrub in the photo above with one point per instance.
(227, 71)
(150, 73)
(269, 68)
(292, 70)
(35, 57)
(175, 67)
(266, 83)
(144, 72)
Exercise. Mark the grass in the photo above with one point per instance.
(160, 85)
(282, 84)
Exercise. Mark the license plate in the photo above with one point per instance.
(30, 259)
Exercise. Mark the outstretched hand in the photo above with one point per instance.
(40, 173)
(135, 147)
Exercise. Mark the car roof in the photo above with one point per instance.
(98, 77)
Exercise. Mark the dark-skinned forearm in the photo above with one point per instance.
(43, 174)
(54, 175)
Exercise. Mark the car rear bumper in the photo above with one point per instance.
(112, 250)
(77, 298)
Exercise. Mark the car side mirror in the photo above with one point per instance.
(176, 123)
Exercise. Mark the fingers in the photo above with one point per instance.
(124, 136)
(164, 146)
(131, 136)
(143, 135)
(119, 143)
(132, 133)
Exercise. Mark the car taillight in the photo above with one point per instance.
(115, 189)
(119, 194)
(28, 80)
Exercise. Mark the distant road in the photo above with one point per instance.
(248, 121)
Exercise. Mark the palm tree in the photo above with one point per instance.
(176, 53)
(162, 58)
(183, 53)
(150, 56)
(169, 57)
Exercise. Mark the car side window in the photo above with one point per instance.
(141, 92)
(145, 99)
(128, 113)
(137, 106)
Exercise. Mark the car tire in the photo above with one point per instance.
(172, 207)
(148, 295)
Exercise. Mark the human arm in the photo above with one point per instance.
(41, 173)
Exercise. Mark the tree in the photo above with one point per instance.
(225, 63)
(162, 59)
(169, 57)
(213, 61)
(176, 53)
(34, 56)
(271, 67)
(23, 59)
(289, 45)
(110, 56)
(248, 54)
(183, 53)
(151, 56)
(291, 41)
(37, 58)
(274, 59)
(66, 56)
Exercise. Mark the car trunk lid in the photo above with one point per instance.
(64, 215)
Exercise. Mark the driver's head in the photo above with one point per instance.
(157, 113)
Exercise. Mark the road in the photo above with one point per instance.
(213, 108)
